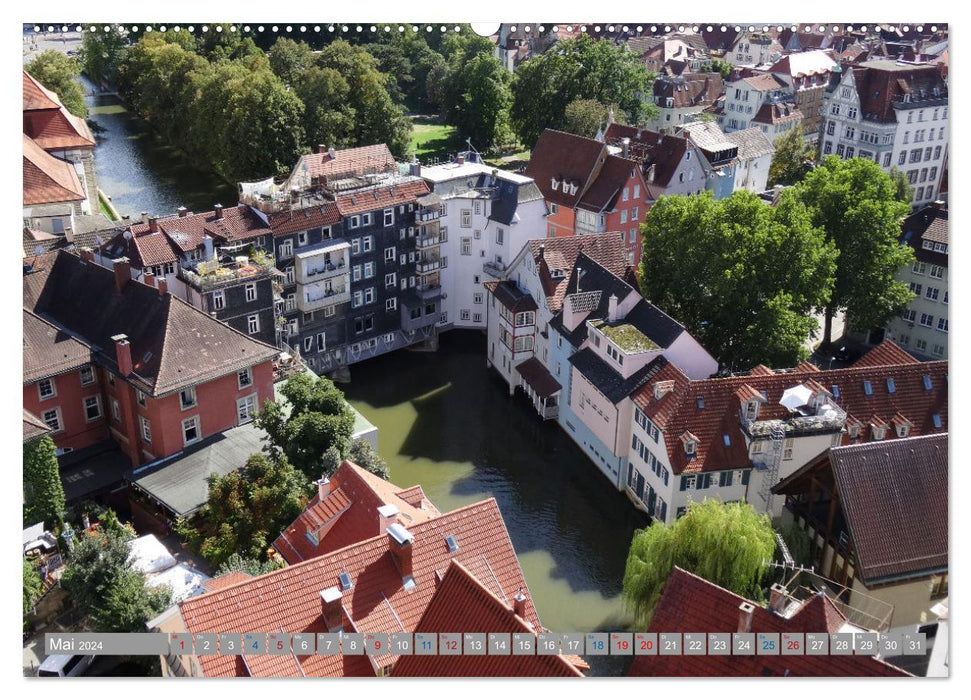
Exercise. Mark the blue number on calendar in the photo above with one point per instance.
(426, 644)
(768, 644)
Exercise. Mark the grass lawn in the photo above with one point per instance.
(432, 139)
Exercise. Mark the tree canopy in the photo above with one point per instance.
(43, 490)
(742, 276)
(724, 543)
(478, 97)
(60, 73)
(364, 456)
(857, 207)
(792, 160)
(32, 585)
(580, 68)
(586, 117)
(102, 54)
(247, 509)
(105, 586)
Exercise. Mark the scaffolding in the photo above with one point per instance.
(770, 470)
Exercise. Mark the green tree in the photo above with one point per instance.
(315, 418)
(364, 456)
(792, 160)
(436, 80)
(586, 117)
(104, 585)
(478, 101)
(328, 116)
(247, 509)
(289, 58)
(856, 205)
(32, 585)
(102, 53)
(718, 66)
(724, 543)
(756, 273)
(60, 73)
(253, 567)
(580, 68)
(43, 490)
(905, 193)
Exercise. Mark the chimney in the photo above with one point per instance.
(460, 158)
(122, 354)
(321, 148)
(332, 153)
(330, 608)
(145, 217)
(625, 146)
(777, 598)
(414, 168)
(122, 268)
(542, 251)
(323, 488)
(939, 204)
(87, 254)
(400, 541)
(153, 224)
(745, 611)
(519, 604)
(219, 211)
(182, 212)
(387, 516)
(163, 286)
(612, 308)
(149, 278)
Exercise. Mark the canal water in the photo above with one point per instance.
(445, 421)
(140, 171)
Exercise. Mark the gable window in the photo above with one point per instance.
(146, 429)
(47, 389)
(190, 430)
(187, 397)
(244, 378)
(250, 292)
(92, 408)
(389, 254)
(302, 238)
(87, 375)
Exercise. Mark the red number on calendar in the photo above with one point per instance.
(647, 645)
(452, 645)
(792, 644)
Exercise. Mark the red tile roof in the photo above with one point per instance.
(304, 219)
(692, 604)
(48, 122)
(691, 90)
(382, 197)
(349, 514)
(49, 351)
(560, 254)
(48, 179)
(886, 353)
(678, 411)
(186, 233)
(226, 580)
(36, 96)
(777, 113)
(881, 83)
(348, 162)
(605, 190)
(34, 427)
(463, 604)
(289, 599)
(663, 153)
(572, 161)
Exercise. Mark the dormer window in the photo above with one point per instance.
(752, 410)
(903, 429)
(691, 448)
(853, 430)
(555, 184)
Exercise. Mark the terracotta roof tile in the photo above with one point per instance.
(289, 599)
(381, 197)
(691, 604)
(777, 113)
(880, 83)
(225, 581)
(886, 353)
(568, 159)
(49, 351)
(662, 152)
(463, 604)
(48, 179)
(36, 96)
(606, 249)
(317, 216)
(34, 427)
(348, 162)
(48, 121)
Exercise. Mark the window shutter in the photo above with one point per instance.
(728, 478)
(745, 476)
(700, 481)
(684, 483)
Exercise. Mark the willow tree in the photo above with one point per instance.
(727, 544)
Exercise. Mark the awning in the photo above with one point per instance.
(538, 378)
(796, 397)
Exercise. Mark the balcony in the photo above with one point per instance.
(427, 264)
(427, 216)
(314, 298)
(216, 274)
(427, 241)
(322, 261)
(493, 268)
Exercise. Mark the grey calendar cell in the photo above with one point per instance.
(547, 644)
(450, 643)
(645, 644)
(278, 643)
(500, 644)
(597, 644)
(205, 644)
(866, 644)
(915, 644)
(841, 644)
(817, 643)
(573, 643)
(352, 644)
(376, 644)
(254, 643)
(621, 643)
(767, 644)
(180, 643)
(891, 644)
(426, 644)
(328, 643)
(720, 643)
(669, 643)
(523, 644)
(474, 643)
(695, 643)
(743, 644)
(402, 644)
(793, 644)
(230, 644)
(304, 644)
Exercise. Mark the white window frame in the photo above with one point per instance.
(391, 304)
(251, 292)
(97, 405)
(218, 300)
(53, 385)
(253, 324)
(145, 426)
(141, 398)
(389, 217)
(251, 403)
(248, 372)
(195, 422)
(190, 392)
(89, 370)
(57, 419)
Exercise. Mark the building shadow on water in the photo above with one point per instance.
(552, 498)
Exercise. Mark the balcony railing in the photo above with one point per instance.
(311, 301)
(425, 216)
(425, 267)
(427, 241)
(325, 270)
(493, 268)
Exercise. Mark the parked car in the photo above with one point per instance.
(65, 665)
